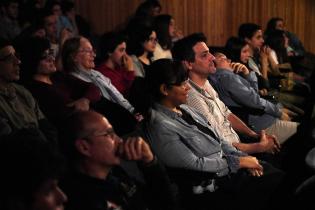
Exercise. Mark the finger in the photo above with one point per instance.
(120, 150)
(138, 148)
(127, 149)
(132, 148)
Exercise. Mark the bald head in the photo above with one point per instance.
(85, 123)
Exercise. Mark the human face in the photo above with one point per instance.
(9, 65)
(172, 28)
(56, 10)
(280, 25)
(177, 93)
(41, 33)
(245, 54)
(49, 196)
(155, 11)
(13, 10)
(119, 52)
(103, 144)
(86, 55)
(203, 63)
(50, 25)
(46, 65)
(257, 41)
(150, 44)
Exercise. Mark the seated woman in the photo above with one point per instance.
(78, 62)
(211, 170)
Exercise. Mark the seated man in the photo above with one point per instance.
(96, 181)
(30, 169)
(204, 98)
(18, 109)
(236, 91)
(182, 138)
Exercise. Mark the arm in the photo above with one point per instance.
(241, 92)
(165, 142)
(239, 126)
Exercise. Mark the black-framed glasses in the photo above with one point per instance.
(152, 39)
(107, 133)
(10, 58)
(48, 54)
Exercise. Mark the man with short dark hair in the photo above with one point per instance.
(18, 109)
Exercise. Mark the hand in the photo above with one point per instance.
(82, 104)
(64, 35)
(135, 148)
(289, 112)
(239, 68)
(138, 117)
(250, 162)
(255, 172)
(127, 62)
(269, 143)
(263, 92)
(285, 116)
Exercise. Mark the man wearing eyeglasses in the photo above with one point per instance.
(96, 180)
(18, 108)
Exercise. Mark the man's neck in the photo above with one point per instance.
(199, 80)
(42, 78)
(3, 84)
(94, 170)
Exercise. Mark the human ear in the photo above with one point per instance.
(163, 90)
(82, 147)
(187, 64)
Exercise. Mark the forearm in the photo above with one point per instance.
(248, 148)
(239, 126)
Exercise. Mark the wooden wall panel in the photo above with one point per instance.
(217, 19)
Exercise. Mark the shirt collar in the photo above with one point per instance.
(159, 107)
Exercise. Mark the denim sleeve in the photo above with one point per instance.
(171, 150)
(245, 95)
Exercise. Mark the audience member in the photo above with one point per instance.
(193, 51)
(96, 180)
(31, 168)
(116, 64)
(78, 61)
(9, 23)
(17, 106)
(182, 139)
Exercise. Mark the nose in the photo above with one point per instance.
(61, 196)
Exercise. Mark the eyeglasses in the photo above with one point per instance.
(88, 51)
(48, 55)
(108, 133)
(152, 39)
(12, 57)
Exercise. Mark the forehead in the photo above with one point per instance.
(200, 47)
(257, 34)
(99, 124)
(121, 45)
(6, 50)
(50, 19)
(85, 43)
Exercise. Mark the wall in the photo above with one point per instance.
(218, 19)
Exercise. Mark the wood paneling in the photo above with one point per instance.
(217, 19)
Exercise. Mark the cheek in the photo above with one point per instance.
(45, 202)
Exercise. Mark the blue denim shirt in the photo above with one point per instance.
(181, 145)
(237, 91)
